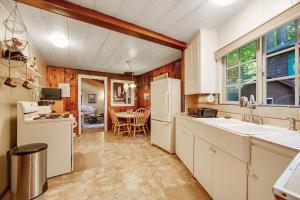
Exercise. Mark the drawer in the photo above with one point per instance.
(184, 122)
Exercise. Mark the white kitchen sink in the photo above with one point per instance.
(251, 129)
(231, 135)
(220, 121)
(237, 126)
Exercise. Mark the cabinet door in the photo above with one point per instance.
(192, 57)
(229, 177)
(185, 146)
(195, 66)
(162, 135)
(203, 164)
(188, 75)
(265, 168)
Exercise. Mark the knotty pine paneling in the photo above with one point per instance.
(144, 81)
(56, 75)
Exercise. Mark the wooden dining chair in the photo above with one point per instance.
(147, 115)
(138, 124)
(118, 126)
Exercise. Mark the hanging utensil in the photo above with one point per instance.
(26, 83)
(9, 82)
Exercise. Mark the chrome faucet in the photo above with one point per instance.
(292, 123)
(251, 104)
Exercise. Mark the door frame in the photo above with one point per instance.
(101, 78)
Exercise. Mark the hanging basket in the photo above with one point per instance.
(14, 26)
(13, 47)
(12, 63)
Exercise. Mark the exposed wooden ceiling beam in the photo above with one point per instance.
(74, 11)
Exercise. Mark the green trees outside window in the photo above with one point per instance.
(241, 72)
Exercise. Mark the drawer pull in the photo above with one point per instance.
(212, 150)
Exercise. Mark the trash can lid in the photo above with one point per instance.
(28, 149)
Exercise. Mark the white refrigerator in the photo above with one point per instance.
(165, 102)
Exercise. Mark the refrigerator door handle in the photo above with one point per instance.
(167, 103)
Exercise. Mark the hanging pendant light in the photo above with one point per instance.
(132, 85)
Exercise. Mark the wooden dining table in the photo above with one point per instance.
(128, 116)
(125, 115)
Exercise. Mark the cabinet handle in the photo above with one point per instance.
(251, 174)
(212, 150)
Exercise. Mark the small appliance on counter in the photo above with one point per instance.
(202, 112)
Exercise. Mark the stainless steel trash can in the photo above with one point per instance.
(28, 171)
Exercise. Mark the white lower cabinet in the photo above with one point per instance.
(222, 175)
(229, 177)
(203, 164)
(265, 168)
(185, 146)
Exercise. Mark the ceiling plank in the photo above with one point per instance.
(71, 10)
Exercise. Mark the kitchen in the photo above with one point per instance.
(239, 59)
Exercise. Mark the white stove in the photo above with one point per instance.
(37, 124)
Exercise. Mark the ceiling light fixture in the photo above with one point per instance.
(132, 85)
(132, 53)
(59, 40)
(224, 2)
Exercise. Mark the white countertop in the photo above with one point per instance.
(287, 139)
(273, 134)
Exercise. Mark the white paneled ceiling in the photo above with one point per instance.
(94, 48)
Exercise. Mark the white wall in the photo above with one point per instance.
(8, 101)
(252, 15)
(89, 86)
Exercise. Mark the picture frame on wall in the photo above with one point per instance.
(122, 95)
(92, 98)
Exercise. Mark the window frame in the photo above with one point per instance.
(239, 84)
(295, 77)
(261, 70)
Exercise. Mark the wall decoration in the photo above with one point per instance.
(146, 96)
(65, 89)
(122, 96)
(92, 98)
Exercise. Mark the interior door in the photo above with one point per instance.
(203, 164)
(161, 100)
(161, 135)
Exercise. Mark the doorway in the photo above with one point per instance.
(92, 103)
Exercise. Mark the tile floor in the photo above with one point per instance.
(109, 167)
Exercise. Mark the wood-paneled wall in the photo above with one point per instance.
(144, 81)
(56, 75)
